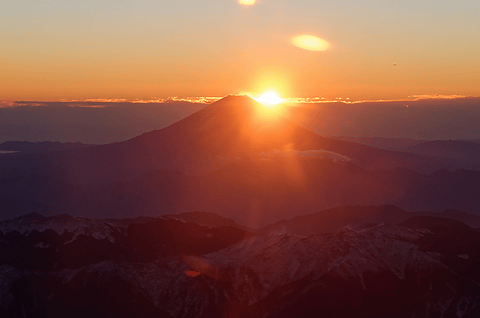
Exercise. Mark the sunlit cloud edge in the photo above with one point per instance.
(199, 100)
(347, 100)
(103, 102)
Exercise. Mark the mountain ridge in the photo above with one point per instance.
(233, 127)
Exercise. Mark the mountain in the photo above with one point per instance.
(254, 193)
(234, 158)
(60, 223)
(448, 148)
(395, 144)
(346, 247)
(37, 242)
(378, 271)
(357, 217)
(233, 128)
(208, 219)
(467, 153)
(40, 147)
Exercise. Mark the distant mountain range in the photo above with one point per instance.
(356, 217)
(395, 144)
(40, 147)
(235, 211)
(234, 127)
(235, 160)
(466, 152)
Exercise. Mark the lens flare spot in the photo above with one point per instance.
(310, 42)
(247, 2)
(192, 273)
(269, 99)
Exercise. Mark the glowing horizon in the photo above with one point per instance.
(210, 99)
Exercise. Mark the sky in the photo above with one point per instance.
(145, 49)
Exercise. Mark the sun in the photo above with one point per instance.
(247, 2)
(269, 99)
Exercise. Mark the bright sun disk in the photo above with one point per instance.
(269, 99)
(247, 2)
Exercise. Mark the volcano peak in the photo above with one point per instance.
(236, 98)
(237, 101)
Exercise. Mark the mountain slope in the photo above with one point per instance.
(381, 271)
(356, 217)
(231, 128)
(448, 148)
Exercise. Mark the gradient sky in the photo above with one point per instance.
(66, 49)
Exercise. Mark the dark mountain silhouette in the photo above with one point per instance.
(37, 242)
(208, 219)
(448, 148)
(232, 158)
(234, 127)
(253, 193)
(466, 153)
(396, 144)
(40, 147)
(356, 217)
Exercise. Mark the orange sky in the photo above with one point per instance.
(54, 49)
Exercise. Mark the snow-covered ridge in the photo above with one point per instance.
(270, 273)
(282, 258)
(98, 229)
(253, 269)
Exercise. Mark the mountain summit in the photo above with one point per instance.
(233, 128)
(235, 158)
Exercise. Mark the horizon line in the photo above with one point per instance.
(212, 99)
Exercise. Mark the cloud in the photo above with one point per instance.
(418, 97)
(307, 100)
(310, 42)
(199, 100)
(34, 104)
(106, 100)
(317, 154)
(347, 100)
(6, 103)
